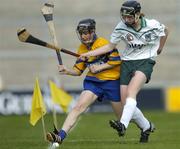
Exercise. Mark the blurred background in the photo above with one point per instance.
(20, 62)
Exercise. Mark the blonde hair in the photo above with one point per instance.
(142, 14)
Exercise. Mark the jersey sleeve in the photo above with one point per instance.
(160, 28)
(114, 57)
(79, 65)
(116, 35)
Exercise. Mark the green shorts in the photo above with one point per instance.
(128, 68)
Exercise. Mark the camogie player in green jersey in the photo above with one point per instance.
(144, 39)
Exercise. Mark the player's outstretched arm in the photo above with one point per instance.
(99, 51)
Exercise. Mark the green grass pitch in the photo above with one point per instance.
(92, 132)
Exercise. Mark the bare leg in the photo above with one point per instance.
(117, 108)
(85, 100)
(136, 84)
(123, 89)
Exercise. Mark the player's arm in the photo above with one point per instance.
(76, 70)
(162, 41)
(102, 50)
(99, 68)
(66, 71)
(113, 60)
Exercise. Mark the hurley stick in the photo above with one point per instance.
(47, 11)
(25, 36)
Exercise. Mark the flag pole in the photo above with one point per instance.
(43, 125)
(54, 117)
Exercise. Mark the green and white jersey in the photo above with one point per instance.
(141, 44)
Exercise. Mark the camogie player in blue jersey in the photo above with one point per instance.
(101, 81)
(144, 39)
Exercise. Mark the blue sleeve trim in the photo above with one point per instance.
(118, 58)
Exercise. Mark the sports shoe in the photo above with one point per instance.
(53, 136)
(145, 134)
(118, 126)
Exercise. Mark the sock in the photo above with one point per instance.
(128, 111)
(62, 134)
(140, 120)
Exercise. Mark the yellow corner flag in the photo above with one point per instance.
(59, 96)
(38, 108)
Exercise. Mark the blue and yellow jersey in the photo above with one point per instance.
(112, 58)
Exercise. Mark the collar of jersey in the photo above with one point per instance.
(143, 24)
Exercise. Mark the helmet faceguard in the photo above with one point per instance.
(128, 11)
(86, 28)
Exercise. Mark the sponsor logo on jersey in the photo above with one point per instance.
(129, 37)
(150, 36)
(136, 46)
